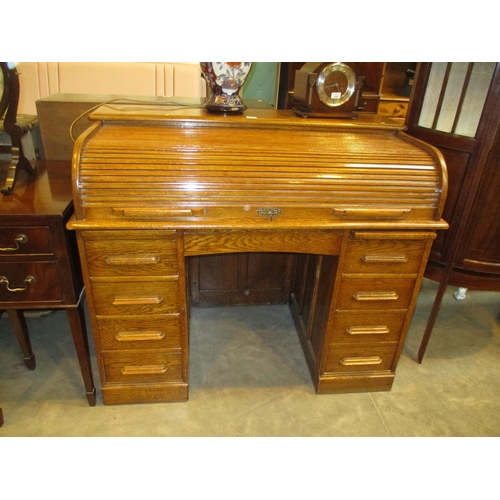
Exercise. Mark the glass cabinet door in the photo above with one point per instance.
(455, 96)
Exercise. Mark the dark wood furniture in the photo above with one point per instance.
(356, 203)
(39, 263)
(371, 73)
(15, 126)
(456, 107)
(18, 323)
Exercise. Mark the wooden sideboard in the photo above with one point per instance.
(39, 264)
(356, 203)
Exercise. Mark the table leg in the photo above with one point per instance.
(1, 417)
(76, 317)
(18, 323)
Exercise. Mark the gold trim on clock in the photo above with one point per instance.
(327, 94)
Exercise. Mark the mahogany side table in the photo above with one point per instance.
(39, 263)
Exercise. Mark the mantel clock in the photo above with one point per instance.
(328, 89)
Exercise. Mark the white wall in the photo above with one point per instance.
(40, 79)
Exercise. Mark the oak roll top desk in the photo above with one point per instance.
(358, 203)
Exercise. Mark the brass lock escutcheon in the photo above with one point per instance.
(269, 212)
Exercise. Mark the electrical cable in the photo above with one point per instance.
(127, 101)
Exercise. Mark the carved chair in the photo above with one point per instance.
(16, 126)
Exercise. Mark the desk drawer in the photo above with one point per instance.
(156, 297)
(359, 358)
(384, 256)
(140, 332)
(127, 368)
(25, 241)
(366, 328)
(377, 293)
(132, 257)
(29, 282)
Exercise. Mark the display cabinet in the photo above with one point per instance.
(456, 107)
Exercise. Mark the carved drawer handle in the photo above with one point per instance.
(163, 212)
(20, 239)
(369, 360)
(139, 336)
(376, 259)
(378, 213)
(137, 260)
(28, 280)
(367, 330)
(367, 296)
(144, 370)
(130, 301)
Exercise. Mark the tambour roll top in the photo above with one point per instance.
(195, 169)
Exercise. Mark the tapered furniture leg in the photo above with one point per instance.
(76, 317)
(18, 323)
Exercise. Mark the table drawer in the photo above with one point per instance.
(140, 332)
(366, 328)
(130, 367)
(148, 297)
(377, 293)
(25, 241)
(29, 282)
(384, 256)
(341, 358)
(132, 257)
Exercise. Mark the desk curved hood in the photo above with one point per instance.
(204, 170)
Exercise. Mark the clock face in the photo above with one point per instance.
(336, 84)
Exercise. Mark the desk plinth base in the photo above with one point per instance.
(354, 383)
(150, 393)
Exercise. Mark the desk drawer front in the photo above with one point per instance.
(384, 256)
(368, 328)
(132, 258)
(25, 241)
(359, 358)
(29, 282)
(140, 332)
(360, 294)
(157, 297)
(127, 368)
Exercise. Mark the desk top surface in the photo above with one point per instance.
(194, 114)
(47, 193)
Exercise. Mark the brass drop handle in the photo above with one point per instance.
(20, 238)
(28, 280)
